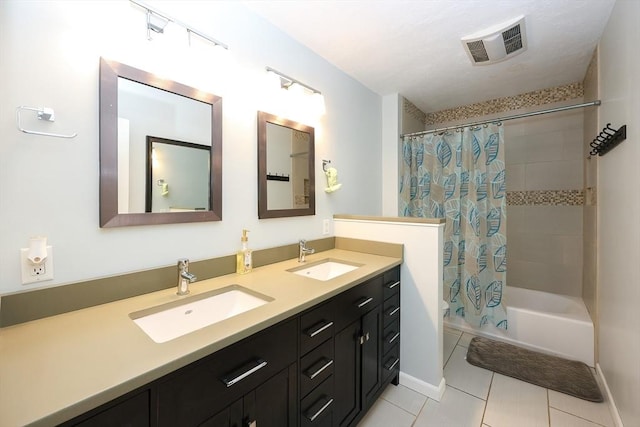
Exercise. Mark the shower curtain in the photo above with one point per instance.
(460, 176)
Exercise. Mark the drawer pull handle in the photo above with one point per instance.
(325, 365)
(235, 377)
(316, 414)
(364, 302)
(395, 337)
(393, 312)
(393, 285)
(313, 332)
(393, 365)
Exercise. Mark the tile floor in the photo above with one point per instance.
(476, 397)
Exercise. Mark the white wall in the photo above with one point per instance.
(391, 110)
(50, 57)
(619, 212)
(421, 348)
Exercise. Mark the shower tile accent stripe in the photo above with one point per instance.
(413, 111)
(545, 198)
(509, 103)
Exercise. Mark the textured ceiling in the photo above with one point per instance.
(413, 47)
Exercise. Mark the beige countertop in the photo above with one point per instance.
(56, 368)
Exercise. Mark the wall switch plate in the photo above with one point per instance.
(32, 273)
(325, 227)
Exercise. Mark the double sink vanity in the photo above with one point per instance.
(289, 344)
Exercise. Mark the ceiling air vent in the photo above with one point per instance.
(497, 43)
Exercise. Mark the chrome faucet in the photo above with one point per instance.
(184, 277)
(304, 250)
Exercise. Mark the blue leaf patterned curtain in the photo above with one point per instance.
(460, 176)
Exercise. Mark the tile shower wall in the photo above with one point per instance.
(544, 156)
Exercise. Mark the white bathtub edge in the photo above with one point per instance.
(427, 389)
(613, 409)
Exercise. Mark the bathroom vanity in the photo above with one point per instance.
(320, 353)
(325, 366)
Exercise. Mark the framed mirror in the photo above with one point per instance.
(137, 111)
(286, 176)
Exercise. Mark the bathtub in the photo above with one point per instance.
(542, 321)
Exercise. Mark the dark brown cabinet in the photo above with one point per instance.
(272, 404)
(324, 367)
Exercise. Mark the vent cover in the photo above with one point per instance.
(497, 43)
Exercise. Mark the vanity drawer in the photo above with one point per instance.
(391, 282)
(191, 394)
(390, 336)
(391, 309)
(316, 327)
(317, 407)
(357, 301)
(315, 367)
(391, 363)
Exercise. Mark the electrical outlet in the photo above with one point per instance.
(32, 273)
(325, 227)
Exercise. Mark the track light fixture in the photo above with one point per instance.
(287, 82)
(157, 21)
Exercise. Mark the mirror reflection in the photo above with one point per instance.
(285, 167)
(177, 176)
(137, 108)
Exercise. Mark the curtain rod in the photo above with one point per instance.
(503, 119)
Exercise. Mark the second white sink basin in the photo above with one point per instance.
(325, 269)
(166, 322)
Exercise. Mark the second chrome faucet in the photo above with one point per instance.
(184, 277)
(304, 250)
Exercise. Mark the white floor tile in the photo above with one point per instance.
(385, 414)
(456, 409)
(562, 419)
(596, 412)
(407, 399)
(516, 403)
(466, 377)
(449, 343)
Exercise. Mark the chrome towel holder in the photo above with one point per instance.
(44, 113)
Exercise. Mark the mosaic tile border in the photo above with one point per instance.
(545, 198)
(413, 111)
(509, 103)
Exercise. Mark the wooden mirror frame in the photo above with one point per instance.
(109, 215)
(263, 211)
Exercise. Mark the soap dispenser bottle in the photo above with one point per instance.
(244, 263)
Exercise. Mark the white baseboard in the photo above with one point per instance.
(612, 404)
(428, 389)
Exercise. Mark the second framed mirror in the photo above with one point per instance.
(286, 175)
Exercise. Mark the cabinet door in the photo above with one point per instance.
(371, 355)
(231, 416)
(347, 374)
(273, 404)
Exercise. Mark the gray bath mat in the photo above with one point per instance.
(566, 376)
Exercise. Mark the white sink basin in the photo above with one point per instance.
(166, 322)
(325, 269)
